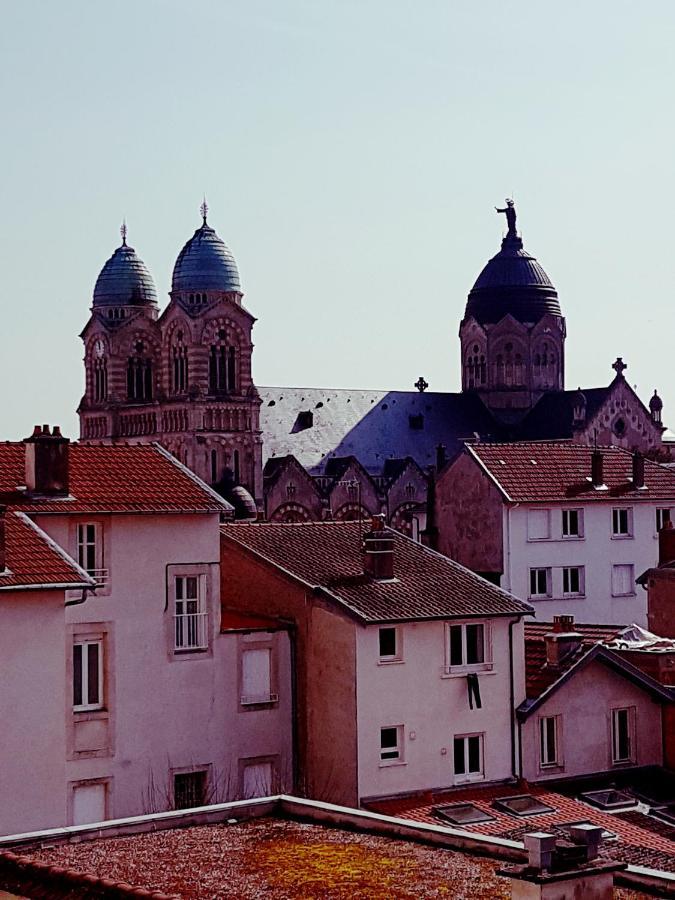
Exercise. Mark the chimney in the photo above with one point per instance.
(47, 462)
(597, 476)
(378, 551)
(562, 641)
(638, 470)
(666, 543)
(441, 458)
(3, 541)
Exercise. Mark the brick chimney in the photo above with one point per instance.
(597, 476)
(47, 462)
(638, 470)
(3, 541)
(378, 551)
(441, 457)
(562, 641)
(667, 543)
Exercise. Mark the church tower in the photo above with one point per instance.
(182, 378)
(513, 332)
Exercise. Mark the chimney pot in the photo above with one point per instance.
(36, 430)
(3, 540)
(47, 462)
(45, 429)
(378, 551)
(561, 641)
(638, 470)
(597, 476)
(57, 431)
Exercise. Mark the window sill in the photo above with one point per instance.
(533, 540)
(572, 537)
(536, 597)
(463, 671)
(91, 715)
(622, 537)
(388, 763)
(390, 662)
(188, 651)
(548, 768)
(573, 597)
(467, 779)
(624, 596)
(623, 763)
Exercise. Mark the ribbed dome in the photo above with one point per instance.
(124, 281)
(205, 264)
(512, 282)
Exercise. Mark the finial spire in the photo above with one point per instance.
(123, 232)
(204, 209)
(619, 366)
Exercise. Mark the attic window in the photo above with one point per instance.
(609, 799)
(523, 805)
(304, 420)
(272, 403)
(416, 422)
(385, 406)
(319, 405)
(619, 428)
(462, 814)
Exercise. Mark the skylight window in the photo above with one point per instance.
(462, 814)
(523, 805)
(609, 799)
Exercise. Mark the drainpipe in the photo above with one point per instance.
(512, 708)
(81, 599)
(292, 640)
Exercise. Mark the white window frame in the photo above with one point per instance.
(397, 656)
(531, 514)
(86, 643)
(190, 625)
(582, 581)
(661, 519)
(251, 700)
(84, 544)
(564, 524)
(398, 758)
(549, 583)
(631, 585)
(545, 741)
(618, 535)
(466, 776)
(460, 668)
(629, 712)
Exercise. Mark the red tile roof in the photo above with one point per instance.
(556, 471)
(327, 556)
(34, 560)
(120, 479)
(538, 676)
(637, 843)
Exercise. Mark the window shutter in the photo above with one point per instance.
(538, 524)
(256, 686)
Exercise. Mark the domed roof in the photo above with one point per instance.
(124, 280)
(205, 263)
(512, 282)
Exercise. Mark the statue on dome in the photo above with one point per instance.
(510, 210)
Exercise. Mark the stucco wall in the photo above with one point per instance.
(32, 700)
(325, 667)
(584, 704)
(469, 516)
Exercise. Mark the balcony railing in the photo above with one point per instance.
(190, 631)
(100, 576)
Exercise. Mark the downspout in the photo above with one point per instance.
(292, 641)
(512, 713)
(81, 599)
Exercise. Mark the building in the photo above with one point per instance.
(116, 654)
(408, 666)
(561, 525)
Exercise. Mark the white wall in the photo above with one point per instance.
(432, 708)
(597, 551)
(584, 704)
(164, 711)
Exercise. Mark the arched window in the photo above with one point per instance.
(214, 466)
(222, 366)
(139, 375)
(235, 463)
(100, 379)
(179, 366)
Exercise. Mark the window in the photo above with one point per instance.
(391, 744)
(622, 735)
(89, 803)
(468, 757)
(139, 378)
(622, 522)
(467, 646)
(87, 675)
(257, 780)
(87, 547)
(572, 523)
(100, 379)
(538, 524)
(573, 581)
(662, 516)
(540, 582)
(623, 581)
(179, 367)
(389, 644)
(256, 676)
(548, 741)
(190, 621)
(222, 367)
(189, 789)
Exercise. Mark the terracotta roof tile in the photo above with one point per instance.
(557, 471)
(327, 555)
(33, 559)
(122, 479)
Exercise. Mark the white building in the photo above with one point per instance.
(566, 528)
(139, 695)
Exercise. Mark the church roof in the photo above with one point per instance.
(552, 416)
(373, 426)
(125, 281)
(205, 264)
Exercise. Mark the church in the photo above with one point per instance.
(182, 376)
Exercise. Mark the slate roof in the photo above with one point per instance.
(552, 416)
(205, 264)
(531, 472)
(327, 557)
(121, 479)
(373, 426)
(125, 280)
(35, 561)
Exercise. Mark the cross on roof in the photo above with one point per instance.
(204, 209)
(421, 384)
(123, 232)
(619, 366)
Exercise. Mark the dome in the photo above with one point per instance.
(205, 264)
(512, 282)
(125, 281)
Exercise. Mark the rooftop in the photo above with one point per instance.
(327, 556)
(557, 471)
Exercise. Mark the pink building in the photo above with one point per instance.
(126, 691)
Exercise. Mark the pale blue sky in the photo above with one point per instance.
(351, 153)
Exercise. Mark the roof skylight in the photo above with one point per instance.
(523, 805)
(462, 814)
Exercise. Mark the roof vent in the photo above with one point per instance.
(304, 421)
(378, 551)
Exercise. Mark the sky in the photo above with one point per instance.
(352, 153)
